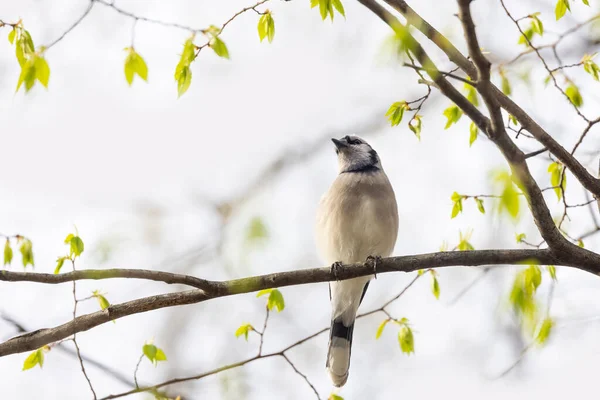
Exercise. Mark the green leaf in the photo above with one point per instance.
(396, 112)
(526, 37)
(323, 8)
(522, 295)
(509, 198)
(244, 330)
(512, 119)
(263, 292)
(29, 47)
(104, 304)
(463, 243)
(552, 271)
(456, 197)
(160, 355)
(556, 172)
(381, 327)
(149, 351)
(506, 89)
(26, 252)
(256, 230)
(183, 73)
(561, 8)
(337, 4)
(544, 332)
(11, 35)
(533, 276)
(8, 253)
(453, 113)
(276, 301)
(590, 66)
(42, 71)
(456, 208)
(406, 340)
(219, 47)
(580, 243)
(573, 94)
(520, 237)
(326, 8)
(68, 238)
(28, 74)
(76, 246)
(480, 205)
(59, 264)
(135, 64)
(335, 397)
(537, 25)
(184, 81)
(266, 27)
(472, 94)
(33, 359)
(415, 126)
(586, 2)
(435, 287)
(473, 132)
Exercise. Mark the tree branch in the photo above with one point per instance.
(586, 261)
(579, 171)
(97, 274)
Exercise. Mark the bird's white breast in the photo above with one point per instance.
(357, 218)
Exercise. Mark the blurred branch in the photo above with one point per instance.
(470, 286)
(61, 346)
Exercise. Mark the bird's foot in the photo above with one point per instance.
(335, 269)
(374, 260)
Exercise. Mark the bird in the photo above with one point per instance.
(357, 220)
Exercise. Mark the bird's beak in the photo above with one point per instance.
(339, 144)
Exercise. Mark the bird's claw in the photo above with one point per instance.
(335, 269)
(374, 260)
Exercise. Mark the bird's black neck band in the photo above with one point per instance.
(366, 168)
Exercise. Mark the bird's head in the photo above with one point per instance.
(355, 155)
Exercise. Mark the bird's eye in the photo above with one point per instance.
(352, 141)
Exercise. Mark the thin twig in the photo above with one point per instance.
(262, 333)
(73, 26)
(75, 302)
(137, 366)
(537, 52)
(301, 374)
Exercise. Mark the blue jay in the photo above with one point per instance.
(357, 219)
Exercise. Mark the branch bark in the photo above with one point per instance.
(98, 274)
(36, 339)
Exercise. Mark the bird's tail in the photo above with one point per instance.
(340, 346)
